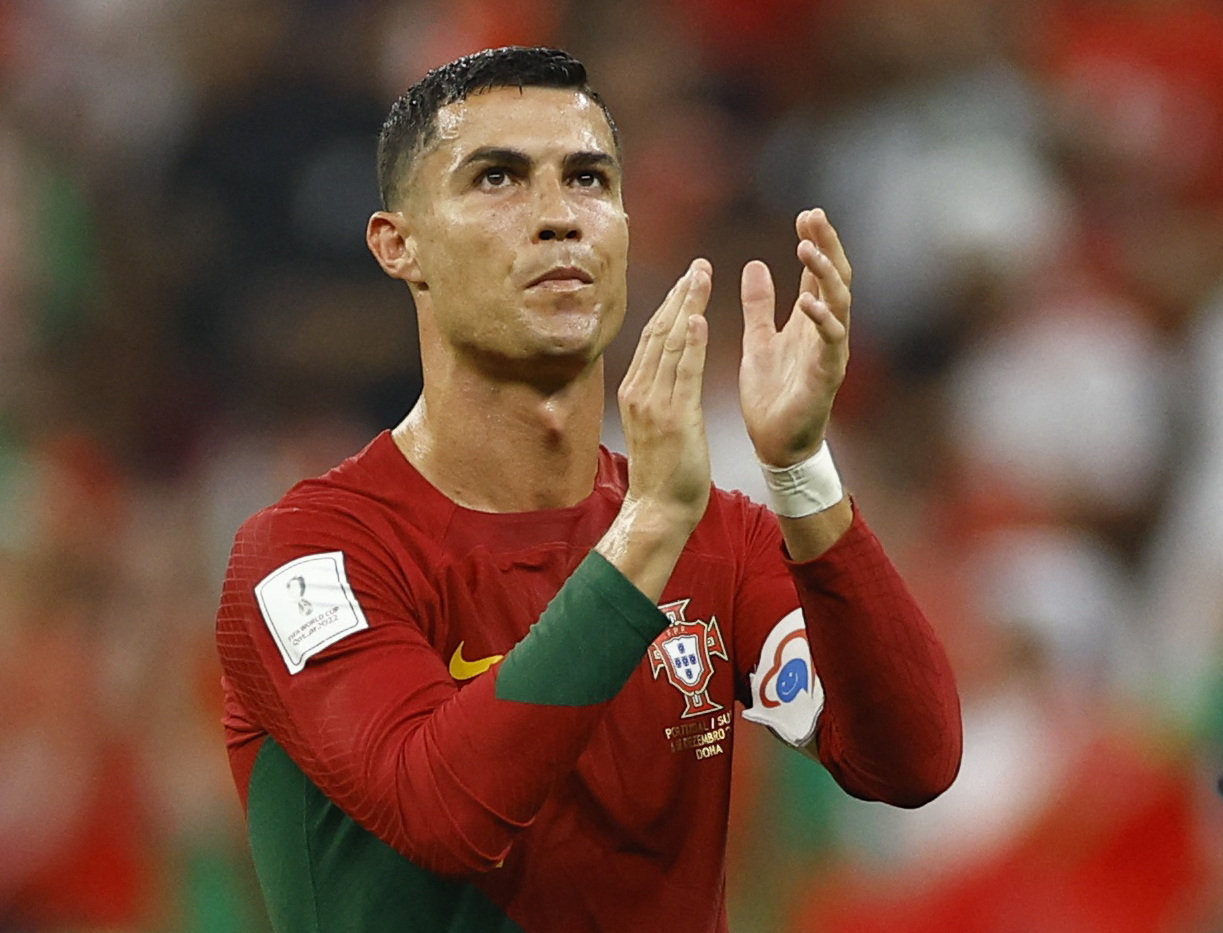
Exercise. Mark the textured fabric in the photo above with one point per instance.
(608, 816)
(332, 876)
(587, 642)
(874, 725)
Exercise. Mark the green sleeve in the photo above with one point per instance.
(586, 643)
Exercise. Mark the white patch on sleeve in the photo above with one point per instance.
(786, 693)
(308, 605)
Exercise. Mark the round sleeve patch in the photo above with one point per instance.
(308, 605)
(786, 693)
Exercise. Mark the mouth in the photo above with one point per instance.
(562, 277)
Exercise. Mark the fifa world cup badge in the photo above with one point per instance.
(685, 651)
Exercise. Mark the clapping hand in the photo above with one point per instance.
(789, 377)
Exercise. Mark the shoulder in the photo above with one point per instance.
(350, 539)
(371, 506)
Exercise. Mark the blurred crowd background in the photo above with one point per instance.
(1031, 193)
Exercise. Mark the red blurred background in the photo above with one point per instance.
(1032, 197)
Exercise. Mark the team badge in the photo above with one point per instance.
(685, 651)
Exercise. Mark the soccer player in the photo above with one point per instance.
(482, 675)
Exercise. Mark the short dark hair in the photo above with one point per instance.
(412, 123)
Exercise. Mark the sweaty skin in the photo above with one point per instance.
(518, 184)
(514, 241)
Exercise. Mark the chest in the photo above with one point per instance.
(674, 719)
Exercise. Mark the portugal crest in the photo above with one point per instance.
(685, 650)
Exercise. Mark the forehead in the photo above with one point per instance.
(537, 121)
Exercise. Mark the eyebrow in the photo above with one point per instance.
(512, 158)
(519, 161)
(595, 159)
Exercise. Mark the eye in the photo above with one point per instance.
(494, 178)
(590, 178)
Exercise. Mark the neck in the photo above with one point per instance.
(507, 446)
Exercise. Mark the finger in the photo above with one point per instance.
(695, 300)
(690, 368)
(832, 330)
(832, 287)
(669, 311)
(819, 229)
(758, 297)
(649, 347)
(809, 282)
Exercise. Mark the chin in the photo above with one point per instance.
(563, 333)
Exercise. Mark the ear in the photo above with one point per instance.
(391, 241)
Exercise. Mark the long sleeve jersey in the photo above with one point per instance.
(440, 719)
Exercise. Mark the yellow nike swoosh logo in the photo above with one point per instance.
(462, 669)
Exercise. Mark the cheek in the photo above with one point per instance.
(460, 256)
(611, 231)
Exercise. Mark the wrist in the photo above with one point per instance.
(812, 485)
(793, 451)
(645, 542)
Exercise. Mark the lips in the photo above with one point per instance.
(563, 275)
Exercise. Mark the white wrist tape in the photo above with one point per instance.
(804, 488)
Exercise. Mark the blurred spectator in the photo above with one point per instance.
(1069, 813)
(101, 81)
(928, 158)
(275, 183)
(1063, 410)
(78, 848)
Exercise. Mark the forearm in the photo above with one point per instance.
(447, 776)
(811, 536)
(644, 543)
(890, 728)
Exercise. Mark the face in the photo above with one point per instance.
(517, 229)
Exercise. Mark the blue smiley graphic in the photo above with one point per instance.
(791, 680)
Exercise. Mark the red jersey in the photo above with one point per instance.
(414, 752)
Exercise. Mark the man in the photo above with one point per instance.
(482, 675)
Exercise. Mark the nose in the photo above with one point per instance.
(556, 218)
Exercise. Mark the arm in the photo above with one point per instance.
(890, 727)
(446, 775)
(664, 429)
(788, 378)
(450, 776)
